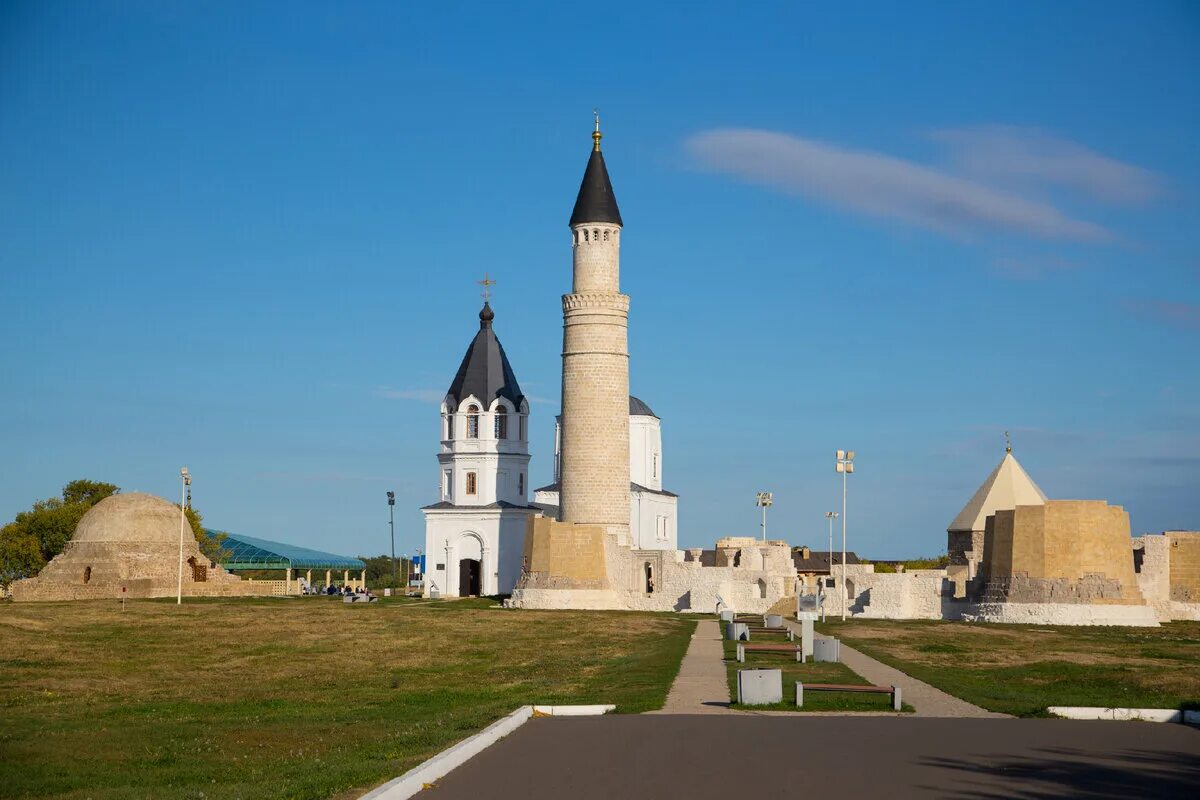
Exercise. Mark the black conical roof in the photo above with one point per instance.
(596, 201)
(485, 371)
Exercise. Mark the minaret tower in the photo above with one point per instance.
(595, 377)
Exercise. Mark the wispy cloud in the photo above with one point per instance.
(885, 186)
(1181, 315)
(420, 395)
(1031, 267)
(1004, 152)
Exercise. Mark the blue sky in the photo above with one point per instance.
(245, 237)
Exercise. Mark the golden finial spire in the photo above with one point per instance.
(1007, 443)
(486, 283)
(596, 135)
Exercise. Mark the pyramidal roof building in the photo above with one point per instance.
(1007, 487)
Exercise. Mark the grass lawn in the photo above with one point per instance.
(1022, 669)
(810, 672)
(291, 698)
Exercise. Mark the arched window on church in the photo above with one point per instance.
(472, 483)
(449, 425)
(524, 432)
(501, 422)
(472, 421)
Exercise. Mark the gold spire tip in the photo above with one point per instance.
(1007, 443)
(596, 135)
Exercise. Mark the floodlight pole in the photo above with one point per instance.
(764, 500)
(844, 463)
(391, 496)
(831, 516)
(187, 481)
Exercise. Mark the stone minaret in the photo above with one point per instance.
(595, 382)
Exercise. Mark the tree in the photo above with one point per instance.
(20, 554)
(379, 570)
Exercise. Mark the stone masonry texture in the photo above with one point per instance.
(595, 386)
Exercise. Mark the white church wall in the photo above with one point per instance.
(645, 510)
(645, 451)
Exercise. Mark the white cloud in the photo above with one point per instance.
(883, 186)
(1007, 153)
(1180, 315)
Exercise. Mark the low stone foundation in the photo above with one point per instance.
(1141, 616)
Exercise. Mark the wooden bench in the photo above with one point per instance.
(780, 631)
(894, 691)
(744, 647)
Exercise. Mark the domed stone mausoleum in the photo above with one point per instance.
(131, 542)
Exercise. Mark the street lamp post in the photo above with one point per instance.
(183, 497)
(845, 465)
(392, 524)
(831, 516)
(763, 500)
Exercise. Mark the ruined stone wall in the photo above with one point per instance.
(1066, 551)
(1185, 565)
(561, 573)
(564, 555)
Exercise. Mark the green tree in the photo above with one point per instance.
(379, 571)
(20, 554)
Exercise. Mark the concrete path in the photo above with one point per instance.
(732, 755)
(701, 686)
(928, 701)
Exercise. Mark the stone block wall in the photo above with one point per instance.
(594, 454)
(564, 555)
(1066, 551)
(1184, 547)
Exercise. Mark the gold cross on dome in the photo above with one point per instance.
(486, 283)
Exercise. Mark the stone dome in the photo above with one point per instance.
(133, 517)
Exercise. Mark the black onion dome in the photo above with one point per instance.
(485, 371)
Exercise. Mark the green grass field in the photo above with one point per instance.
(1022, 669)
(291, 698)
(810, 672)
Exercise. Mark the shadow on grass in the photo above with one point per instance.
(1074, 773)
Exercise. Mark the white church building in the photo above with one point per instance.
(475, 533)
(652, 509)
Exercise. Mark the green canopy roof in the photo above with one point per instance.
(250, 552)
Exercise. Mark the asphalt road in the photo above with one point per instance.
(758, 757)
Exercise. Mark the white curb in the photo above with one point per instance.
(455, 756)
(1140, 714)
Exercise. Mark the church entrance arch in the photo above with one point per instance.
(469, 574)
(470, 565)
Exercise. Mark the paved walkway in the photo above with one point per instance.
(701, 686)
(925, 699)
(732, 755)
